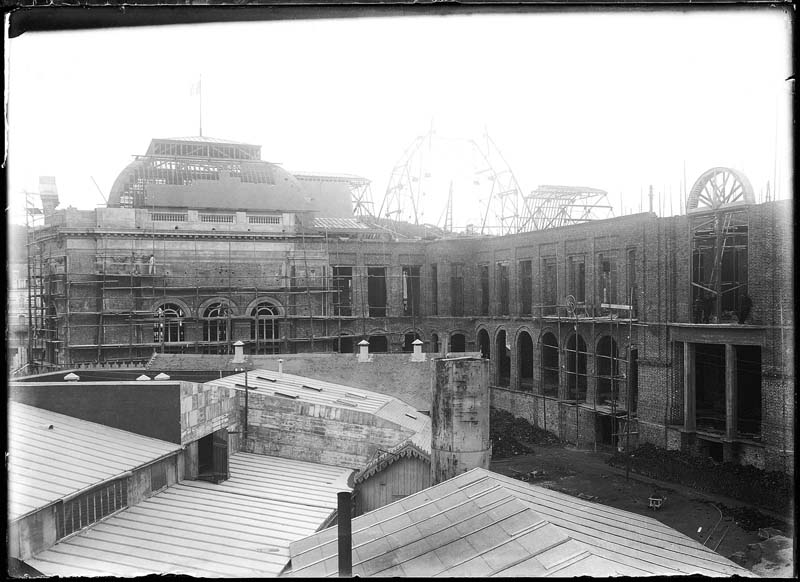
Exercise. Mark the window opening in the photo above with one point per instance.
(411, 290)
(484, 344)
(748, 392)
(550, 367)
(457, 290)
(344, 345)
(576, 281)
(502, 283)
(169, 327)
(434, 290)
(343, 287)
(265, 328)
(719, 268)
(525, 286)
(525, 361)
(376, 291)
(607, 361)
(215, 326)
(503, 359)
(408, 339)
(378, 344)
(435, 343)
(549, 286)
(576, 368)
(458, 343)
(484, 289)
(710, 387)
(607, 281)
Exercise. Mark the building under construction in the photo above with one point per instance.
(674, 331)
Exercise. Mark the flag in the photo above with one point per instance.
(195, 89)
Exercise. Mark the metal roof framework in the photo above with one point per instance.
(554, 206)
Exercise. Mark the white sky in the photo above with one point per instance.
(608, 100)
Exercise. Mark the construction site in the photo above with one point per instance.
(254, 350)
(605, 331)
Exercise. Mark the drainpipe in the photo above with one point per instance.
(345, 534)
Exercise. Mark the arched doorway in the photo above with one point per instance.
(549, 365)
(265, 328)
(484, 344)
(576, 368)
(607, 361)
(458, 343)
(503, 355)
(525, 361)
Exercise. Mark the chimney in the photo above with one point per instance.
(49, 194)
(345, 534)
(238, 353)
(417, 356)
(280, 366)
(143, 378)
(363, 351)
(72, 377)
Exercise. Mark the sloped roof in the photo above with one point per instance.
(308, 390)
(481, 523)
(47, 464)
(238, 528)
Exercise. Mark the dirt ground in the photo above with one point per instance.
(585, 473)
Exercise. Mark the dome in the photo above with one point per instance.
(207, 173)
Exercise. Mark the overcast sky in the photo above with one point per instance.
(615, 101)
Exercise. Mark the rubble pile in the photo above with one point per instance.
(772, 490)
(513, 436)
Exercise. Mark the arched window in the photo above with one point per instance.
(576, 368)
(265, 328)
(215, 326)
(550, 369)
(503, 355)
(484, 344)
(169, 327)
(435, 343)
(458, 343)
(525, 361)
(344, 344)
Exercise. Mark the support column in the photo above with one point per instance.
(689, 399)
(730, 392)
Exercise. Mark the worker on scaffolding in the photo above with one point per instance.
(151, 265)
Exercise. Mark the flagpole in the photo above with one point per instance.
(200, 92)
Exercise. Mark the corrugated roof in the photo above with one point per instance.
(47, 464)
(339, 224)
(484, 524)
(238, 528)
(317, 391)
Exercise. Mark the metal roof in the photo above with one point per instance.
(485, 524)
(340, 224)
(52, 456)
(315, 391)
(238, 528)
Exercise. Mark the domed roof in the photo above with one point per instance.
(203, 173)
